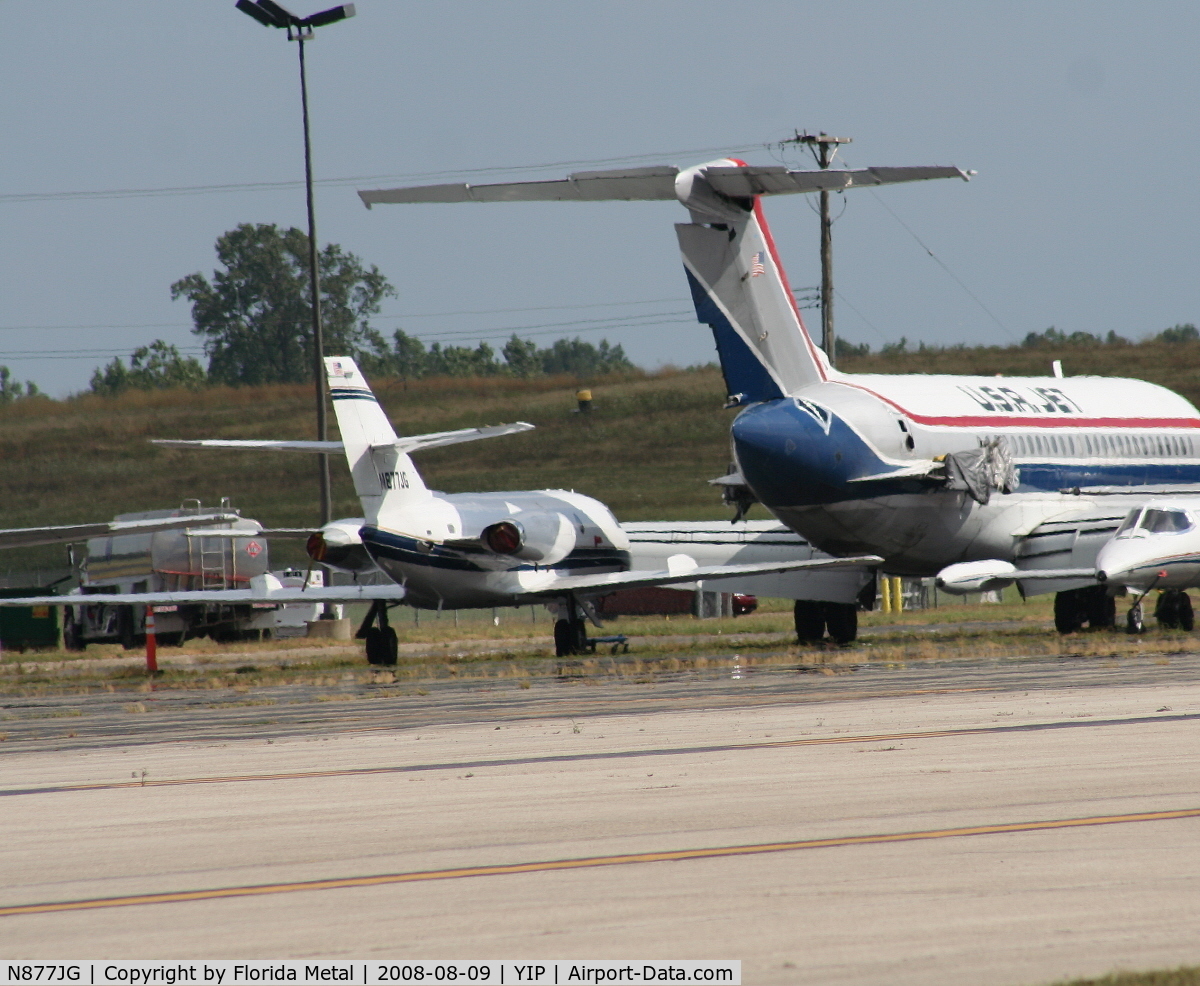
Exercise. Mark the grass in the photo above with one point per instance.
(1005, 631)
(646, 450)
(1188, 975)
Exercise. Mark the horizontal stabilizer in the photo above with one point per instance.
(775, 180)
(411, 443)
(546, 583)
(630, 184)
(414, 443)
(658, 184)
(28, 537)
(329, 448)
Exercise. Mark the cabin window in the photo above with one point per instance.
(1165, 521)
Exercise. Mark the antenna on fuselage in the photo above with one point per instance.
(824, 150)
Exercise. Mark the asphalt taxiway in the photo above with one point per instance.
(992, 822)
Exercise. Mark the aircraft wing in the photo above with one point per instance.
(411, 443)
(680, 568)
(224, 597)
(28, 537)
(658, 183)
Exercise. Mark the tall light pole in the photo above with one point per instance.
(823, 149)
(300, 29)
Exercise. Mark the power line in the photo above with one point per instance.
(266, 186)
(939, 262)
(485, 311)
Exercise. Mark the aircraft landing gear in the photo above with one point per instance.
(570, 630)
(1091, 605)
(382, 647)
(1133, 621)
(1174, 610)
(813, 618)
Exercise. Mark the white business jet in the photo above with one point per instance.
(927, 471)
(471, 550)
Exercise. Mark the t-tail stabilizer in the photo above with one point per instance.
(738, 285)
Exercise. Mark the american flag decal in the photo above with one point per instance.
(756, 265)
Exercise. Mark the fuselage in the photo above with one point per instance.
(434, 548)
(1157, 547)
(851, 462)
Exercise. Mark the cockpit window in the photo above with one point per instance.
(1165, 521)
(1129, 522)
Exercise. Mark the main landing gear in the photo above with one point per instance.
(1174, 610)
(381, 643)
(1091, 605)
(570, 630)
(813, 618)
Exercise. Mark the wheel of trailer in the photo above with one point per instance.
(389, 647)
(1134, 622)
(72, 634)
(129, 639)
(373, 644)
(810, 621)
(842, 621)
(1068, 613)
(564, 638)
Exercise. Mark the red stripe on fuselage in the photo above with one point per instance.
(1038, 421)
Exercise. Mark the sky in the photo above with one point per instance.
(1079, 118)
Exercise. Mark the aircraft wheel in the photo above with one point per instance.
(374, 645)
(389, 647)
(1134, 622)
(842, 621)
(1068, 613)
(1187, 620)
(1166, 610)
(579, 627)
(564, 638)
(809, 616)
(1101, 608)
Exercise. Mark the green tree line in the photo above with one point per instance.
(255, 320)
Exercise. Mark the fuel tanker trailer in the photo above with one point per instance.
(209, 557)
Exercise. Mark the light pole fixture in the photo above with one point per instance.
(300, 29)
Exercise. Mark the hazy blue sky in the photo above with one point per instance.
(1080, 118)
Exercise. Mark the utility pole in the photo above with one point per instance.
(824, 149)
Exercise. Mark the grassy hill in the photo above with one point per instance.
(647, 449)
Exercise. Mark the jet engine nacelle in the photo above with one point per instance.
(976, 576)
(339, 545)
(545, 537)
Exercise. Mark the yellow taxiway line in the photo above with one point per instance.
(675, 855)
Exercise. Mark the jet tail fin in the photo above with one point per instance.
(741, 292)
(384, 476)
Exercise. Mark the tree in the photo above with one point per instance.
(256, 316)
(11, 390)
(409, 359)
(157, 366)
(1180, 333)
